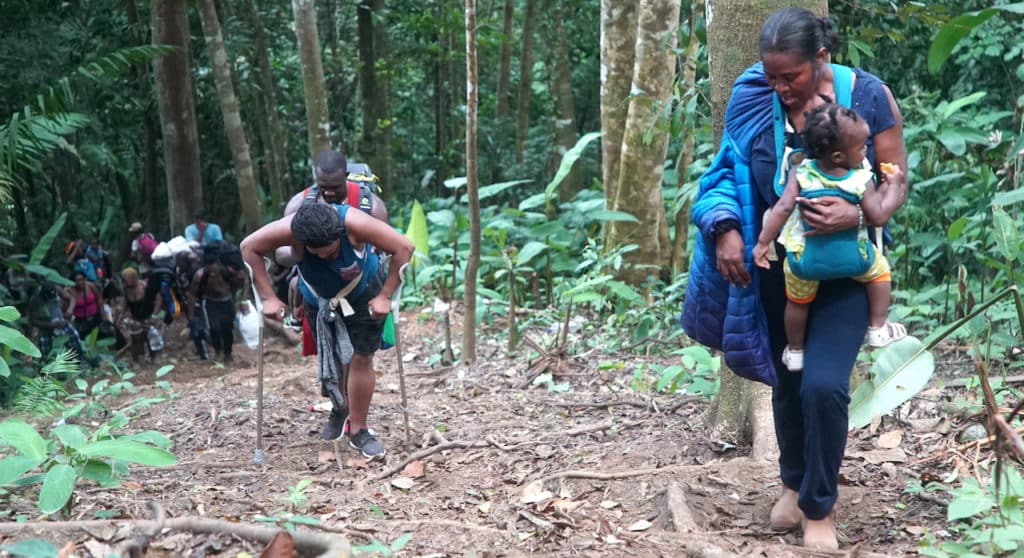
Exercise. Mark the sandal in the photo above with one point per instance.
(887, 334)
(794, 360)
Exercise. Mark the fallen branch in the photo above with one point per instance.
(426, 453)
(576, 474)
(450, 523)
(962, 382)
(600, 427)
(682, 517)
(305, 542)
(628, 402)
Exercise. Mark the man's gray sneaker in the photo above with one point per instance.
(334, 428)
(367, 444)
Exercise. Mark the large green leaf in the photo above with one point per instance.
(959, 27)
(1007, 235)
(531, 249)
(33, 548)
(495, 189)
(962, 102)
(902, 370)
(57, 488)
(22, 437)
(13, 466)
(18, 342)
(129, 451)
(951, 33)
(9, 314)
(49, 274)
(568, 160)
(5, 370)
(418, 233)
(39, 252)
(71, 436)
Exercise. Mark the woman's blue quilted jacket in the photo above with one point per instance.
(715, 313)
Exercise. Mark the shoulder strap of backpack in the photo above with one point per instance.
(842, 77)
(310, 195)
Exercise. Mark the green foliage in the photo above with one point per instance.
(297, 498)
(71, 454)
(985, 521)
(959, 27)
(32, 548)
(288, 521)
(378, 548)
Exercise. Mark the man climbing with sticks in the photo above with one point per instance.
(353, 291)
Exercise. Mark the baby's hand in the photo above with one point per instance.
(761, 255)
(892, 173)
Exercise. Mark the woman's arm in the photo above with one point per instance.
(890, 148)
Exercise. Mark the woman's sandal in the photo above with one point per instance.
(887, 334)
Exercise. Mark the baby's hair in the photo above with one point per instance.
(822, 131)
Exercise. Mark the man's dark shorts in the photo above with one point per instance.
(364, 331)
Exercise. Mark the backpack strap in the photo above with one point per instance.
(842, 82)
(309, 195)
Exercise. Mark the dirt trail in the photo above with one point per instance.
(542, 473)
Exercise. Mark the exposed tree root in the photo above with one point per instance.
(324, 546)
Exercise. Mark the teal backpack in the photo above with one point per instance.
(832, 256)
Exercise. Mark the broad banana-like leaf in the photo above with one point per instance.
(902, 370)
(417, 231)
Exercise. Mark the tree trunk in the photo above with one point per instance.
(441, 81)
(472, 189)
(504, 61)
(561, 84)
(679, 260)
(733, 30)
(318, 121)
(618, 43)
(525, 79)
(376, 141)
(248, 196)
(177, 113)
(276, 138)
(645, 142)
(150, 192)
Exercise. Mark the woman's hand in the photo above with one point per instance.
(828, 214)
(761, 256)
(729, 256)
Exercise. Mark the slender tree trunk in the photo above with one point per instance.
(248, 195)
(618, 44)
(525, 79)
(373, 79)
(318, 120)
(472, 188)
(277, 138)
(504, 61)
(441, 81)
(733, 29)
(150, 184)
(687, 80)
(561, 83)
(645, 142)
(177, 113)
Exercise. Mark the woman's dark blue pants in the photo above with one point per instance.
(811, 407)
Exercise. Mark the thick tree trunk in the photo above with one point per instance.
(618, 43)
(472, 189)
(318, 121)
(248, 196)
(376, 141)
(504, 61)
(733, 30)
(177, 113)
(645, 142)
(561, 84)
(525, 79)
(275, 137)
(679, 260)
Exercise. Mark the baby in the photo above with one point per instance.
(835, 139)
